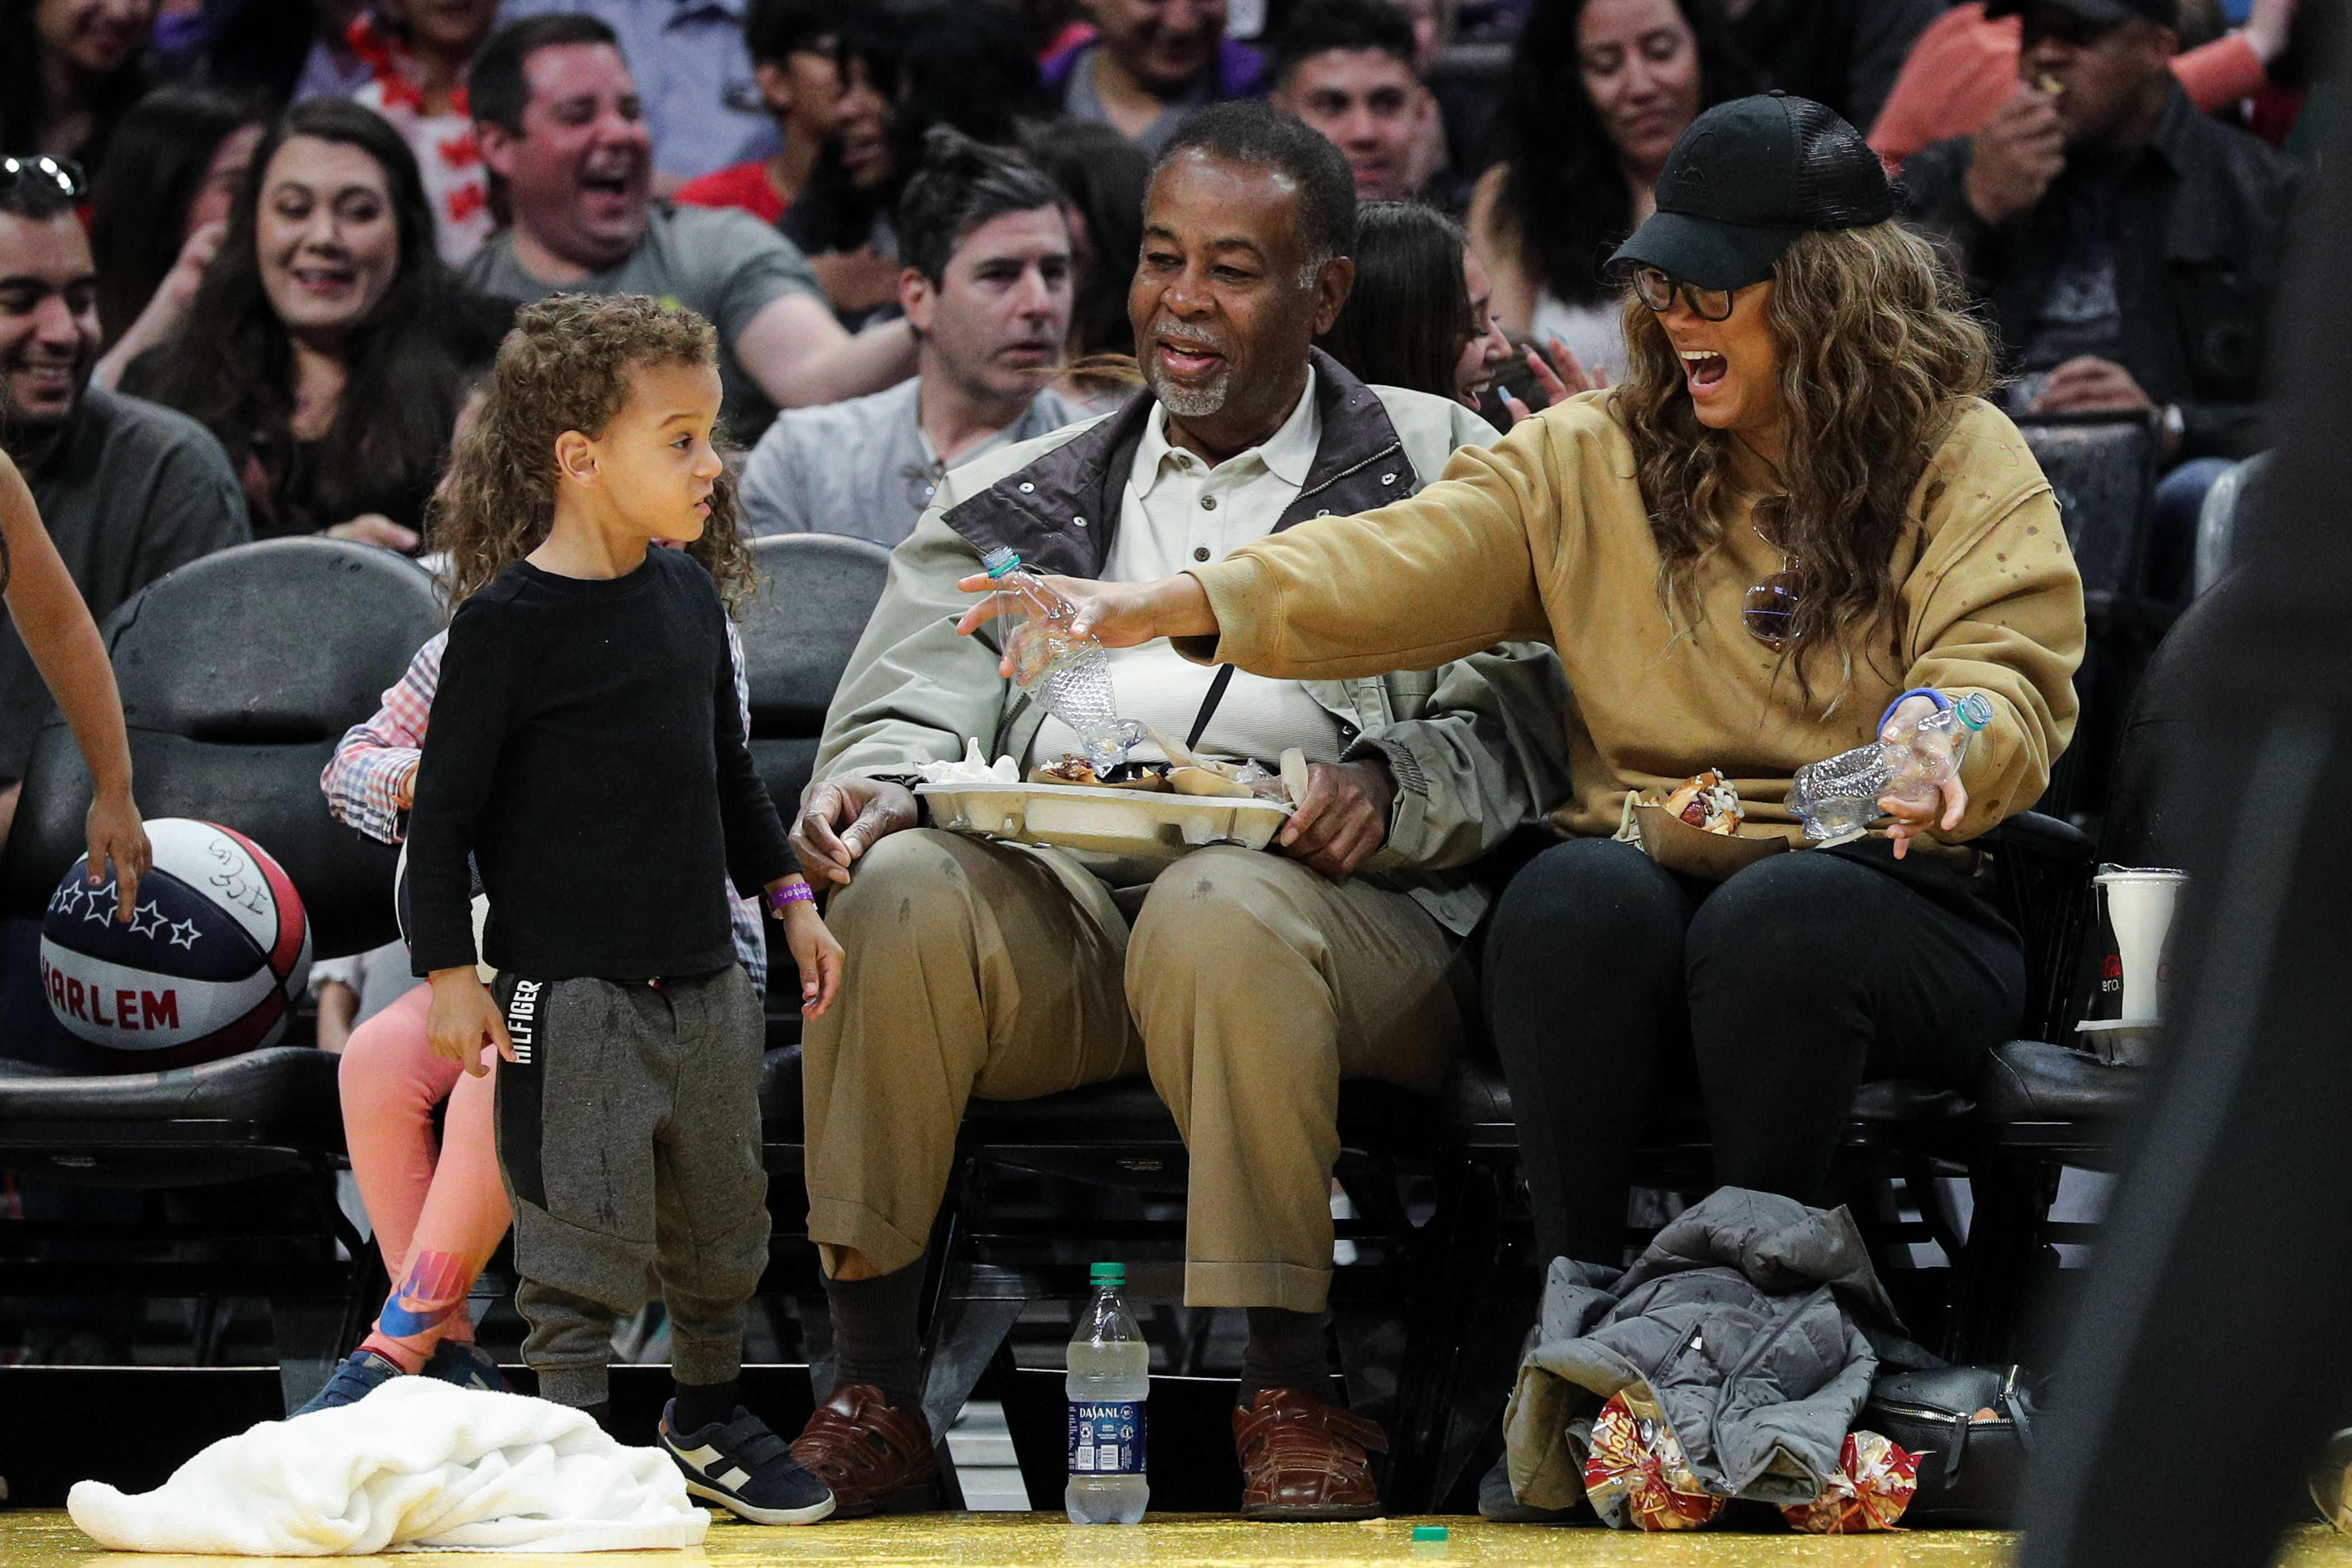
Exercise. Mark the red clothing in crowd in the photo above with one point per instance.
(743, 185)
(1965, 67)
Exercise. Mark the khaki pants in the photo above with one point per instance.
(1249, 986)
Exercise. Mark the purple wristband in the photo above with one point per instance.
(789, 893)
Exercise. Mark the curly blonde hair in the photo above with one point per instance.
(566, 366)
(1876, 346)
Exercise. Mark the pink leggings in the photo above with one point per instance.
(438, 1213)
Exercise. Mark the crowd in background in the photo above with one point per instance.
(254, 254)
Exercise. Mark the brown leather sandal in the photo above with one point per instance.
(875, 1456)
(1304, 1461)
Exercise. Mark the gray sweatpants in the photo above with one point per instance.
(629, 1140)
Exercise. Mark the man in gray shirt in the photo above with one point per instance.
(987, 290)
(559, 120)
(128, 490)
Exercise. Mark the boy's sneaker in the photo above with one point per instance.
(466, 1366)
(746, 1469)
(361, 1373)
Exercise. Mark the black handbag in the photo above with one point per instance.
(1969, 1469)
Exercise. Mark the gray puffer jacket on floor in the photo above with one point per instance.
(1752, 1320)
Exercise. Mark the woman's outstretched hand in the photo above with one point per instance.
(1117, 615)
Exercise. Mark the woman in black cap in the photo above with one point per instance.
(1795, 521)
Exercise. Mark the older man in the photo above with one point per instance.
(1248, 985)
(987, 290)
(558, 116)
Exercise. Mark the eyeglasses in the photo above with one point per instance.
(42, 169)
(1657, 291)
(1769, 610)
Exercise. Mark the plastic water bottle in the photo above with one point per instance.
(1838, 797)
(1069, 674)
(1109, 1381)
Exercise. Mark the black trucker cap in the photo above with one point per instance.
(2163, 12)
(1745, 179)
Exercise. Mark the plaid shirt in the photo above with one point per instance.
(368, 778)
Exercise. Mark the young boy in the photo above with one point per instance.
(586, 749)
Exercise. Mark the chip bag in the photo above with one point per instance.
(1874, 1485)
(1637, 1476)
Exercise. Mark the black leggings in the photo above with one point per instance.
(1611, 982)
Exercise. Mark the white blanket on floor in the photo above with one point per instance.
(417, 1465)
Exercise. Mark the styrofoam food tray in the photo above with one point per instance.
(1106, 821)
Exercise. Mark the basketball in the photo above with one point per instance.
(212, 963)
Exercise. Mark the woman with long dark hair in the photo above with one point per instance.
(1597, 91)
(1796, 525)
(69, 73)
(160, 209)
(1103, 176)
(1418, 315)
(327, 344)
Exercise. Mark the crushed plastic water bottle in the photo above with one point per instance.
(1838, 797)
(1071, 675)
(1108, 1384)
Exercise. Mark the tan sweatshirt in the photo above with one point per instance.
(1543, 536)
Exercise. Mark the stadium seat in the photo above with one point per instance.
(239, 672)
(2228, 523)
(2103, 468)
(2046, 1107)
(816, 592)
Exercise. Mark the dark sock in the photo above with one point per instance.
(874, 1336)
(1285, 1350)
(602, 1414)
(699, 1404)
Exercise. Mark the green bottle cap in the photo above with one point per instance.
(1429, 1533)
(1108, 1275)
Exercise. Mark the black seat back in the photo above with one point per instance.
(816, 592)
(2103, 468)
(2147, 819)
(239, 672)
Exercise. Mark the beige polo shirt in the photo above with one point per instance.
(1178, 512)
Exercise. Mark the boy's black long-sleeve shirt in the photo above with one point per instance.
(586, 749)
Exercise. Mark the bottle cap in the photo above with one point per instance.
(1429, 1533)
(1108, 1275)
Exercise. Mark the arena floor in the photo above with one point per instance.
(47, 1540)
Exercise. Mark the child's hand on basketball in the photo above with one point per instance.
(118, 836)
(463, 1015)
(818, 952)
